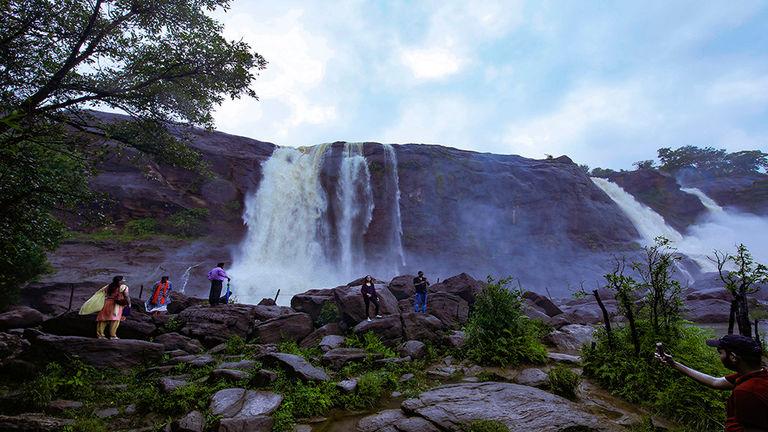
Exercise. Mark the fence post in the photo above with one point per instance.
(141, 291)
(71, 296)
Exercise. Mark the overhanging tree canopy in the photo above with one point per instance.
(162, 62)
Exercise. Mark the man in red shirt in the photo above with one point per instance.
(747, 408)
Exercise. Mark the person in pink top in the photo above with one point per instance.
(116, 298)
(217, 276)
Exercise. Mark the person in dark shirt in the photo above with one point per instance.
(420, 296)
(747, 407)
(369, 296)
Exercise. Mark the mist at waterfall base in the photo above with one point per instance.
(718, 229)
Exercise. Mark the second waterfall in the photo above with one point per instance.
(308, 220)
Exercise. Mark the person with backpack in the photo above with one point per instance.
(217, 276)
(420, 296)
(116, 297)
(368, 290)
(161, 297)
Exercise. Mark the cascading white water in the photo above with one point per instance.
(185, 277)
(647, 222)
(390, 159)
(706, 201)
(356, 208)
(283, 248)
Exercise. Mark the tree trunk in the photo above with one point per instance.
(606, 318)
(732, 317)
(742, 316)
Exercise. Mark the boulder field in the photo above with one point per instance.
(198, 337)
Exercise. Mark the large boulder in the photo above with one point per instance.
(352, 307)
(543, 303)
(338, 357)
(243, 410)
(523, 408)
(450, 309)
(295, 327)
(462, 285)
(11, 347)
(179, 302)
(389, 329)
(20, 317)
(32, 422)
(413, 349)
(100, 353)
(422, 327)
(54, 298)
(192, 422)
(267, 312)
(312, 301)
(215, 324)
(318, 335)
(394, 420)
(297, 366)
(402, 287)
(708, 310)
(175, 341)
(570, 338)
(138, 325)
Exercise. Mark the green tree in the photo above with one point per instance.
(743, 280)
(164, 63)
(602, 172)
(645, 164)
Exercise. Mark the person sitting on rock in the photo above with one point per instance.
(217, 276)
(420, 296)
(369, 296)
(161, 296)
(747, 407)
(115, 299)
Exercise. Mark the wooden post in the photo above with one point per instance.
(276, 295)
(71, 295)
(141, 291)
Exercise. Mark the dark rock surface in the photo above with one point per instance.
(394, 420)
(20, 317)
(294, 326)
(422, 327)
(244, 410)
(450, 309)
(175, 341)
(137, 326)
(338, 357)
(193, 421)
(352, 307)
(389, 329)
(214, 325)
(297, 366)
(519, 407)
(101, 353)
(312, 301)
(32, 422)
(402, 287)
(318, 335)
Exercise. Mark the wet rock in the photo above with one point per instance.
(193, 360)
(169, 384)
(194, 421)
(707, 310)
(20, 317)
(175, 341)
(268, 312)
(450, 309)
(462, 285)
(406, 377)
(570, 338)
(413, 348)
(215, 324)
(456, 339)
(422, 327)
(267, 302)
(347, 386)
(32, 422)
(389, 329)
(317, 336)
(11, 347)
(543, 303)
(563, 358)
(394, 421)
(311, 302)
(532, 377)
(227, 375)
(100, 353)
(402, 287)
(107, 412)
(58, 406)
(297, 366)
(518, 407)
(352, 307)
(332, 342)
(137, 326)
(263, 378)
(180, 302)
(244, 410)
(338, 357)
(294, 326)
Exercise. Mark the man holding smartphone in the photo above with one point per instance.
(747, 408)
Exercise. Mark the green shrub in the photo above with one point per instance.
(486, 426)
(311, 400)
(87, 424)
(74, 381)
(140, 227)
(564, 382)
(189, 222)
(498, 333)
(329, 313)
(236, 345)
(291, 347)
(370, 387)
(283, 419)
(174, 324)
(371, 344)
(641, 379)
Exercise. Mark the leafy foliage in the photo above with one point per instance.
(371, 344)
(743, 280)
(498, 333)
(712, 161)
(165, 64)
(329, 313)
(563, 382)
(189, 222)
(486, 426)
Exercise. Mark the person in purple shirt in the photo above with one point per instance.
(217, 276)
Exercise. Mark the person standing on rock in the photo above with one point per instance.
(369, 296)
(217, 276)
(747, 407)
(161, 296)
(116, 297)
(420, 296)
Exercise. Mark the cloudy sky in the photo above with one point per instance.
(606, 83)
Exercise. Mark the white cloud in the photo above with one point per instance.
(749, 90)
(431, 63)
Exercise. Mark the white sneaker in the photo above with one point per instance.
(378, 316)
(368, 319)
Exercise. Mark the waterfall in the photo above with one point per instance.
(706, 201)
(647, 222)
(355, 199)
(185, 277)
(390, 159)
